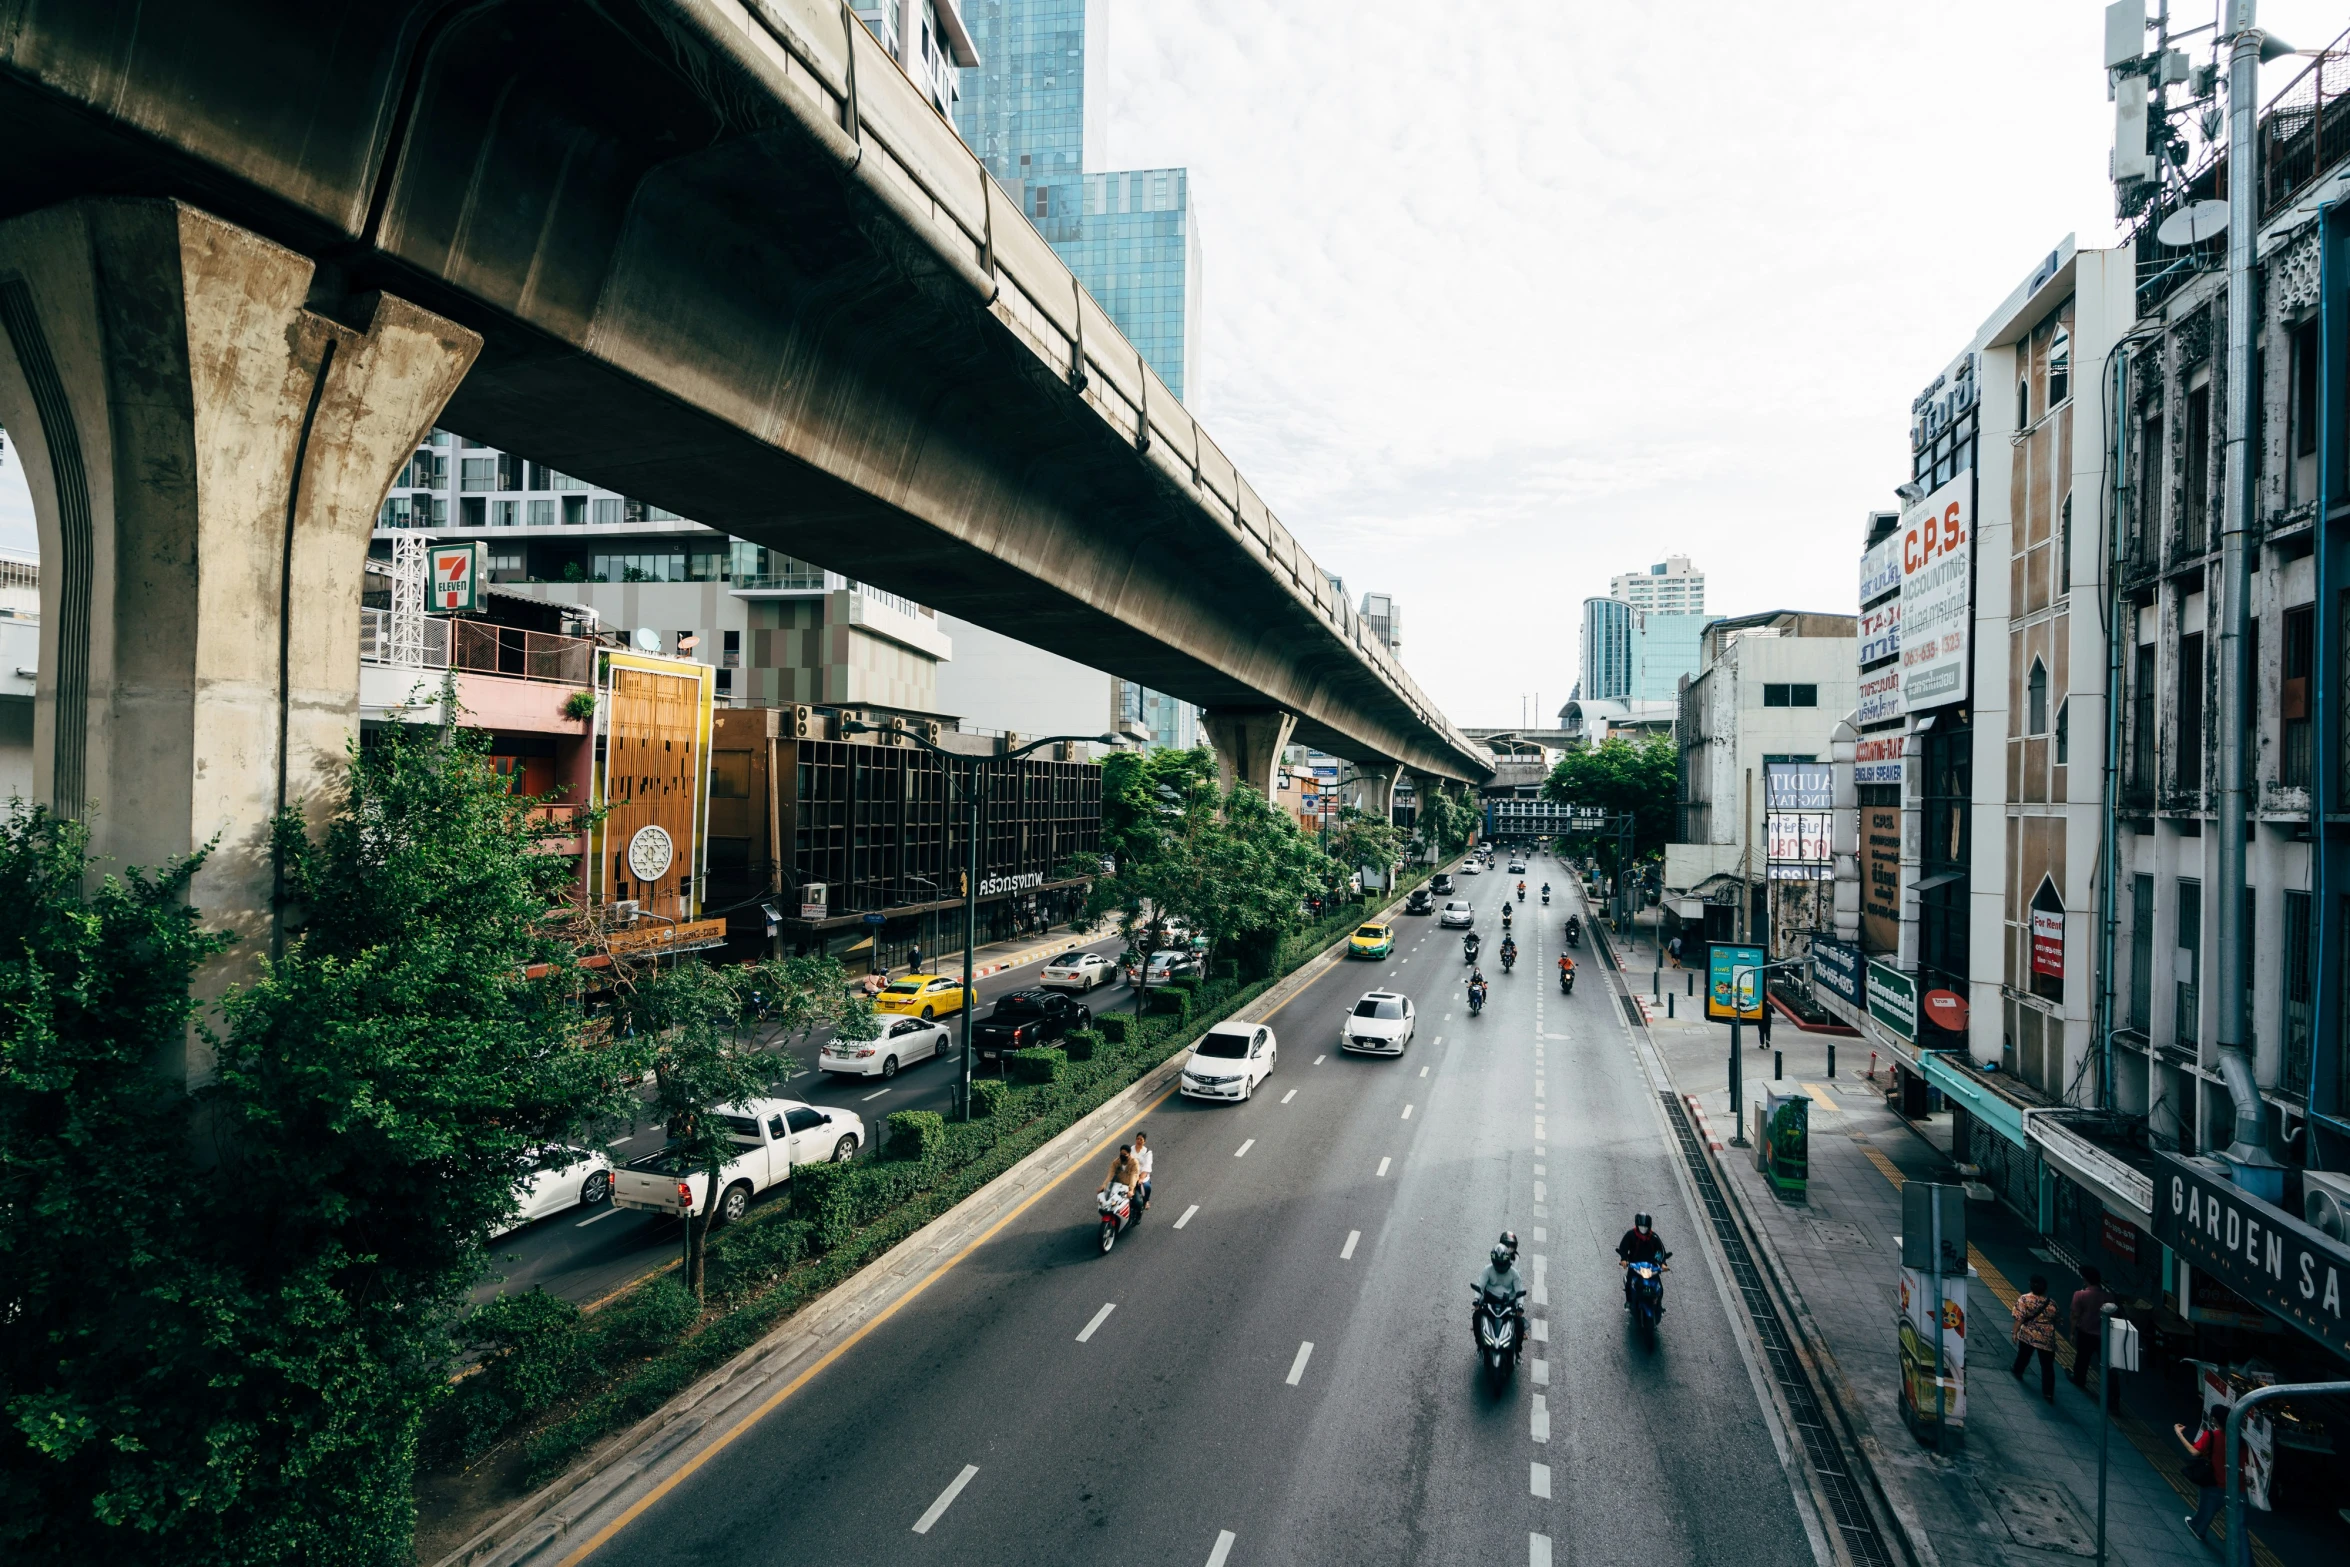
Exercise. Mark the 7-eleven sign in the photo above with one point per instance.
(456, 577)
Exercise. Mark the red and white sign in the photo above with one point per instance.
(1947, 1008)
(456, 577)
(1937, 594)
(2048, 942)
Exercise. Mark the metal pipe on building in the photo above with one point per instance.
(2120, 632)
(2235, 583)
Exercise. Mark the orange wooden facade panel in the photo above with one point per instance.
(655, 765)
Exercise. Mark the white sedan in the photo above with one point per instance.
(1472, 868)
(1230, 1060)
(903, 1042)
(1078, 971)
(1381, 1023)
(556, 1179)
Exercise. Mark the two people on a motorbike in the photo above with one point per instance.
(1476, 990)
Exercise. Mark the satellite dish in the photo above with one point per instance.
(647, 640)
(2194, 223)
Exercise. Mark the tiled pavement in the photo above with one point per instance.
(2023, 1488)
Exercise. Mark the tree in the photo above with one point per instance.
(1619, 775)
(706, 1042)
(1145, 795)
(1363, 840)
(1234, 868)
(1445, 819)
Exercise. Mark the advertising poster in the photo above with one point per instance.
(1917, 1350)
(1798, 786)
(1799, 849)
(1877, 758)
(1880, 701)
(1733, 983)
(1937, 594)
(1880, 876)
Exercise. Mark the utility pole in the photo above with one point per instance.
(2235, 568)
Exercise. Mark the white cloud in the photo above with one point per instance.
(1503, 300)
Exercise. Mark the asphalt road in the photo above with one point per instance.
(586, 1253)
(1276, 1366)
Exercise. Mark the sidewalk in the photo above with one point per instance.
(997, 956)
(2024, 1485)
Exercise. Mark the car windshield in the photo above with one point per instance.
(1376, 933)
(1229, 1047)
(901, 988)
(1380, 1007)
(1458, 908)
(742, 1128)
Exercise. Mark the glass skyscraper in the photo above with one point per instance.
(1131, 236)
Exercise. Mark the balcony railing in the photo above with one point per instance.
(481, 647)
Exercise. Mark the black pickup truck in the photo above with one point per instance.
(1025, 1019)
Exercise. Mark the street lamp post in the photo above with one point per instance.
(973, 787)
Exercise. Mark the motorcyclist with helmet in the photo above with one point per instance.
(1641, 1243)
(1521, 892)
(1546, 895)
(1509, 954)
(1469, 945)
(1476, 990)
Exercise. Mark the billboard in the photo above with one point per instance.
(1798, 786)
(1836, 967)
(1893, 1000)
(1937, 594)
(1733, 983)
(1880, 571)
(2262, 1253)
(1880, 876)
(456, 582)
(1877, 758)
(1880, 631)
(1880, 700)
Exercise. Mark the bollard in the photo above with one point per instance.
(1656, 985)
(1831, 1058)
(1778, 1065)
(1669, 999)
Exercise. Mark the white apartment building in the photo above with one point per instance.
(1672, 586)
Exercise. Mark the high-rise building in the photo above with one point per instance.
(1131, 236)
(1385, 618)
(927, 37)
(1607, 650)
(1671, 586)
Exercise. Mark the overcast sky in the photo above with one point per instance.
(1504, 299)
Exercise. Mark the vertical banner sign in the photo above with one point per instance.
(1797, 799)
(1937, 594)
(456, 578)
(1880, 631)
(2048, 942)
(1880, 571)
(1880, 876)
(1733, 983)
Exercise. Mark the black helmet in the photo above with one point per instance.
(1640, 1221)
(1502, 1256)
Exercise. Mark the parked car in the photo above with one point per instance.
(1419, 901)
(1371, 941)
(1380, 1024)
(1025, 1019)
(770, 1136)
(1167, 963)
(1457, 913)
(1440, 884)
(902, 1043)
(1230, 1060)
(1078, 971)
(557, 1178)
(922, 995)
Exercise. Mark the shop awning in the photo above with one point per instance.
(1963, 1086)
(2121, 1186)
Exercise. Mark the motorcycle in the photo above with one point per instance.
(1566, 982)
(1118, 1215)
(1574, 934)
(1469, 949)
(1521, 892)
(1500, 1324)
(1476, 999)
(1509, 959)
(1646, 1296)
(1546, 897)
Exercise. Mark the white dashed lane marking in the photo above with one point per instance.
(1346, 1253)
(1383, 1166)
(946, 1499)
(1243, 1149)
(1224, 1539)
(1292, 1094)
(1099, 1318)
(1297, 1367)
(1538, 1480)
(1187, 1213)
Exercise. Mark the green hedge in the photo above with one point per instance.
(1035, 1066)
(915, 1134)
(1169, 1001)
(1083, 1044)
(609, 1368)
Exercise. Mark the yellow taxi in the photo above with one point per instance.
(921, 995)
(1372, 941)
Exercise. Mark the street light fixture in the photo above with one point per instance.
(974, 786)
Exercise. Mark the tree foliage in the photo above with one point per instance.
(1361, 839)
(1447, 815)
(1642, 777)
(246, 1382)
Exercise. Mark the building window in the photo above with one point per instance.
(2036, 699)
(542, 514)
(2146, 516)
(477, 473)
(2142, 722)
(2301, 483)
(2142, 953)
(507, 567)
(2064, 547)
(2023, 400)
(472, 513)
(605, 508)
(2189, 768)
(2187, 1024)
(510, 472)
(2060, 366)
(575, 510)
(2198, 510)
(505, 514)
(536, 473)
(1043, 201)
(2064, 747)
(730, 650)
(2300, 994)
(1775, 695)
(2300, 662)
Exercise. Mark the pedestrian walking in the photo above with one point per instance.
(2089, 1303)
(1674, 947)
(1762, 1024)
(2207, 1467)
(2035, 1334)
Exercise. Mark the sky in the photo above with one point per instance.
(1502, 300)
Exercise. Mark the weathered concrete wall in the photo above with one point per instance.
(206, 456)
(1248, 745)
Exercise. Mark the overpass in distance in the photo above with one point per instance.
(719, 254)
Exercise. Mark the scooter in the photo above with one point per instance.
(1469, 950)
(1546, 897)
(1509, 959)
(1646, 1297)
(1117, 1215)
(1476, 999)
(1500, 1324)
(1574, 934)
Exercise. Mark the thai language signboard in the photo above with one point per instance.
(1836, 967)
(1880, 876)
(1937, 594)
(2264, 1254)
(1880, 572)
(1880, 631)
(1880, 700)
(1877, 758)
(1893, 1000)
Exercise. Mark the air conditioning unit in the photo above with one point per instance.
(2325, 1202)
(803, 722)
(625, 911)
(1066, 751)
(929, 730)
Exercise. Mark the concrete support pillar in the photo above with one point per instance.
(1373, 789)
(1248, 742)
(206, 453)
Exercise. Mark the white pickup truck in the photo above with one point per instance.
(770, 1137)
